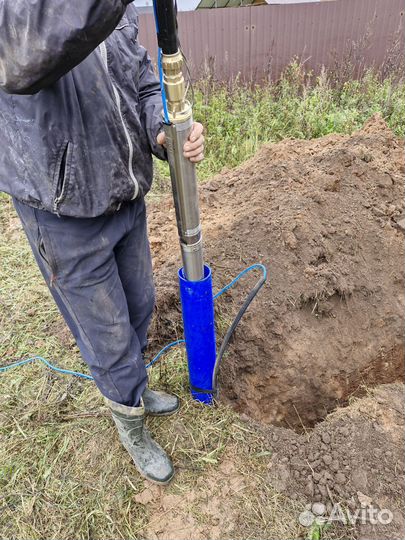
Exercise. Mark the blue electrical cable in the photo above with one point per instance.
(155, 359)
(162, 87)
(234, 281)
(172, 344)
(48, 364)
(156, 17)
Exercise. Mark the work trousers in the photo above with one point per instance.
(99, 272)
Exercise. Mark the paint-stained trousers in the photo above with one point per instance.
(99, 272)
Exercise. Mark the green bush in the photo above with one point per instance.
(239, 118)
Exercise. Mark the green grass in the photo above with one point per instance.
(239, 118)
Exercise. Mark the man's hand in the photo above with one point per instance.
(194, 147)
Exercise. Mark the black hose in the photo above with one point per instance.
(166, 24)
(232, 328)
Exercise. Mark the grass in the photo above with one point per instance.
(239, 118)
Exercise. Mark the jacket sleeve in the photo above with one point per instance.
(150, 98)
(42, 40)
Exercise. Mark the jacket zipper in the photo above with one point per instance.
(103, 51)
(62, 181)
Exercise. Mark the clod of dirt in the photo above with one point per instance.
(323, 216)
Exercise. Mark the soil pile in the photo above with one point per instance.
(326, 217)
(355, 459)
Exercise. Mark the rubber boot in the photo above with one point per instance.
(159, 403)
(149, 458)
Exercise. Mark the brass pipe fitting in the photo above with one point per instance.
(173, 79)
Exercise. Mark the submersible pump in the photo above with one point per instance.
(195, 277)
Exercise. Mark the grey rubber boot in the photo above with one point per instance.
(159, 403)
(149, 458)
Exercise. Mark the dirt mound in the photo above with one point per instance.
(325, 217)
(354, 459)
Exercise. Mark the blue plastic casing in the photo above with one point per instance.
(197, 301)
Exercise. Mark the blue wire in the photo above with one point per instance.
(234, 281)
(155, 359)
(162, 87)
(172, 344)
(156, 18)
(48, 364)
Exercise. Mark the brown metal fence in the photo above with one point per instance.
(259, 41)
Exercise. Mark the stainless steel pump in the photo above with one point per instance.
(178, 123)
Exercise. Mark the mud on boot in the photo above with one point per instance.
(159, 403)
(149, 458)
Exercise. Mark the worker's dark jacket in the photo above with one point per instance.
(79, 105)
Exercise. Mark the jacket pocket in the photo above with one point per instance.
(62, 175)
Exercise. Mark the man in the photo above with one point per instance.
(80, 117)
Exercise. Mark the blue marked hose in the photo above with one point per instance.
(221, 351)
